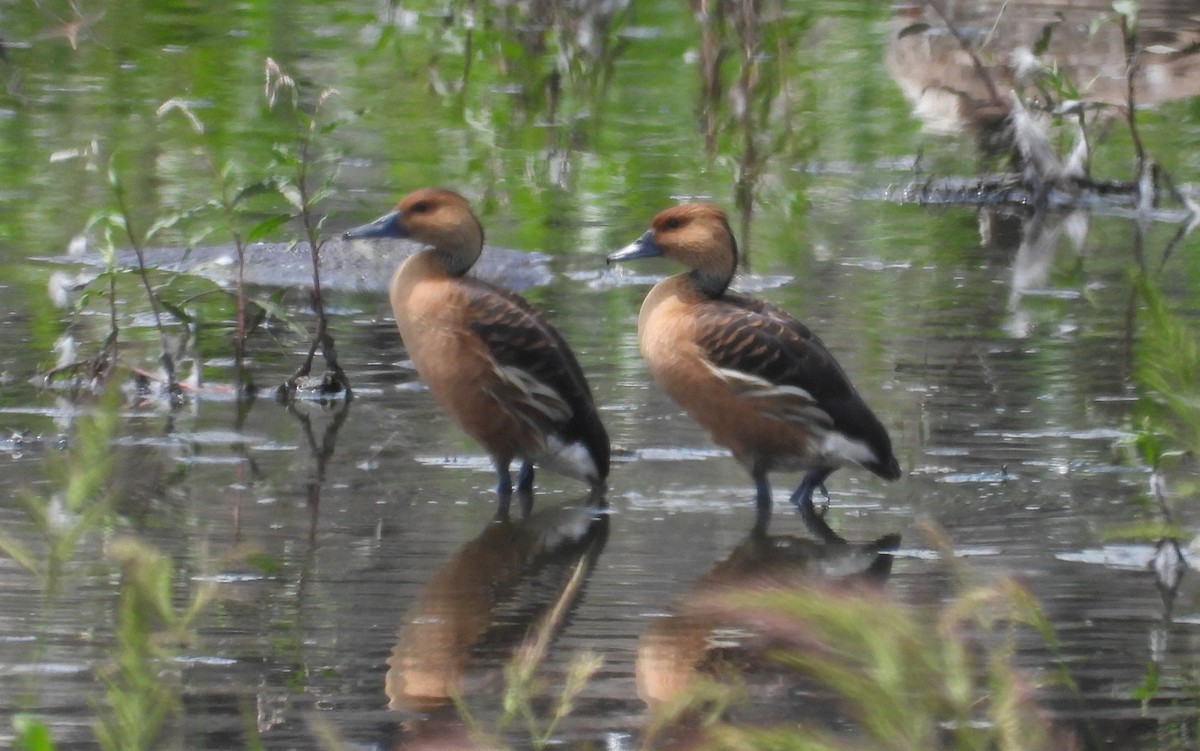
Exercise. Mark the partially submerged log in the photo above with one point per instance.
(1069, 193)
(345, 266)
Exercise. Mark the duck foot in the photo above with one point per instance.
(814, 520)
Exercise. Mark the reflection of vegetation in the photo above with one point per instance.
(549, 48)
(538, 70)
(752, 92)
(905, 680)
(547, 72)
(1024, 104)
(321, 454)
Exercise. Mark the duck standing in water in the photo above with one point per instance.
(756, 378)
(491, 359)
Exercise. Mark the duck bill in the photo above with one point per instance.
(643, 247)
(387, 225)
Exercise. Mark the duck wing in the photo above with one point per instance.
(769, 356)
(539, 378)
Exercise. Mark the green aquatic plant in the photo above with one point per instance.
(248, 202)
(141, 680)
(1166, 357)
(295, 164)
(140, 676)
(523, 689)
(237, 214)
(123, 217)
(1167, 367)
(81, 507)
(106, 225)
(60, 522)
(248, 208)
(229, 210)
(31, 734)
(139, 692)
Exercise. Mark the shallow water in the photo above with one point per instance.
(1003, 370)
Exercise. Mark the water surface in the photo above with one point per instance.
(997, 351)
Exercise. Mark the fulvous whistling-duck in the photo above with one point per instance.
(756, 378)
(491, 359)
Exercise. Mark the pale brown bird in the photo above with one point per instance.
(757, 379)
(492, 360)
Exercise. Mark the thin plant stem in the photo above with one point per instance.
(322, 338)
(1129, 37)
(229, 207)
(167, 359)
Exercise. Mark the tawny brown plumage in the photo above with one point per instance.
(491, 360)
(756, 378)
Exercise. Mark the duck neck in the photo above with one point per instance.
(458, 262)
(709, 282)
(715, 262)
(463, 250)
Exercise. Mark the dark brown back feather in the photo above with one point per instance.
(518, 335)
(755, 337)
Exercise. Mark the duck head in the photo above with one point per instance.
(694, 234)
(439, 219)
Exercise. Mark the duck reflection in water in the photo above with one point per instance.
(709, 623)
(492, 360)
(516, 578)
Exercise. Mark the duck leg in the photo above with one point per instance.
(762, 503)
(525, 477)
(802, 498)
(598, 496)
(504, 485)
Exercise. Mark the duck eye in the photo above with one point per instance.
(674, 223)
(421, 207)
